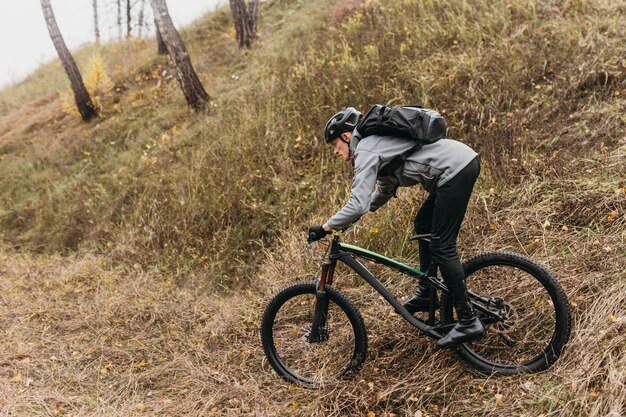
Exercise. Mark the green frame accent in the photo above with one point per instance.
(380, 258)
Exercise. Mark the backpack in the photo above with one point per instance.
(422, 125)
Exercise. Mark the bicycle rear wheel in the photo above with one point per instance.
(535, 324)
(340, 348)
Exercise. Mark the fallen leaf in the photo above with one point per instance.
(498, 398)
(612, 215)
(139, 364)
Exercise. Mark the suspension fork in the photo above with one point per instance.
(319, 332)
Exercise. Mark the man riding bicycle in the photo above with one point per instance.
(447, 169)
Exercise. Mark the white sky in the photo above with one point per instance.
(24, 39)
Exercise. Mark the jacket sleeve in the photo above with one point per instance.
(382, 193)
(365, 171)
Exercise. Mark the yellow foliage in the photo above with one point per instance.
(67, 103)
(97, 81)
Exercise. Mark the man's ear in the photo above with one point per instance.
(346, 136)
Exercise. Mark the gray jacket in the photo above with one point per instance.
(431, 166)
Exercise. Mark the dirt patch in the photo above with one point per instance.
(344, 10)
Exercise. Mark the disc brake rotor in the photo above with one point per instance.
(509, 323)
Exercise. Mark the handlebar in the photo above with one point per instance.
(313, 236)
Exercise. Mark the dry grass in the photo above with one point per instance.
(129, 286)
(83, 337)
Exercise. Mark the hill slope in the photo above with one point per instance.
(139, 249)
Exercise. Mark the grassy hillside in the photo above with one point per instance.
(139, 249)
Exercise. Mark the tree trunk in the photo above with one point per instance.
(253, 7)
(129, 26)
(195, 94)
(161, 48)
(119, 19)
(244, 18)
(81, 96)
(95, 21)
(140, 21)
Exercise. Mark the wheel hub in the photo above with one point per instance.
(509, 317)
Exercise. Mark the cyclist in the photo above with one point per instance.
(447, 169)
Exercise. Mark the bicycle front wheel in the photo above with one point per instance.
(339, 349)
(534, 323)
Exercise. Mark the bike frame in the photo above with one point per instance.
(344, 253)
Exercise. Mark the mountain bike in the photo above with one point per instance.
(313, 335)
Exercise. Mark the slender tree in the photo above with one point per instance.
(253, 10)
(244, 18)
(195, 94)
(161, 48)
(140, 20)
(81, 96)
(129, 26)
(96, 26)
(119, 18)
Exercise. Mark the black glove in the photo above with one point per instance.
(316, 233)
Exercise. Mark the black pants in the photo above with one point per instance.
(442, 214)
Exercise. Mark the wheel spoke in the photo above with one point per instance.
(286, 332)
(525, 295)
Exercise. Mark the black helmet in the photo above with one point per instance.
(344, 121)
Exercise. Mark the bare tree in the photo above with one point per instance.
(161, 48)
(195, 94)
(119, 18)
(140, 20)
(129, 19)
(245, 18)
(81, 96)
(95, 21)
